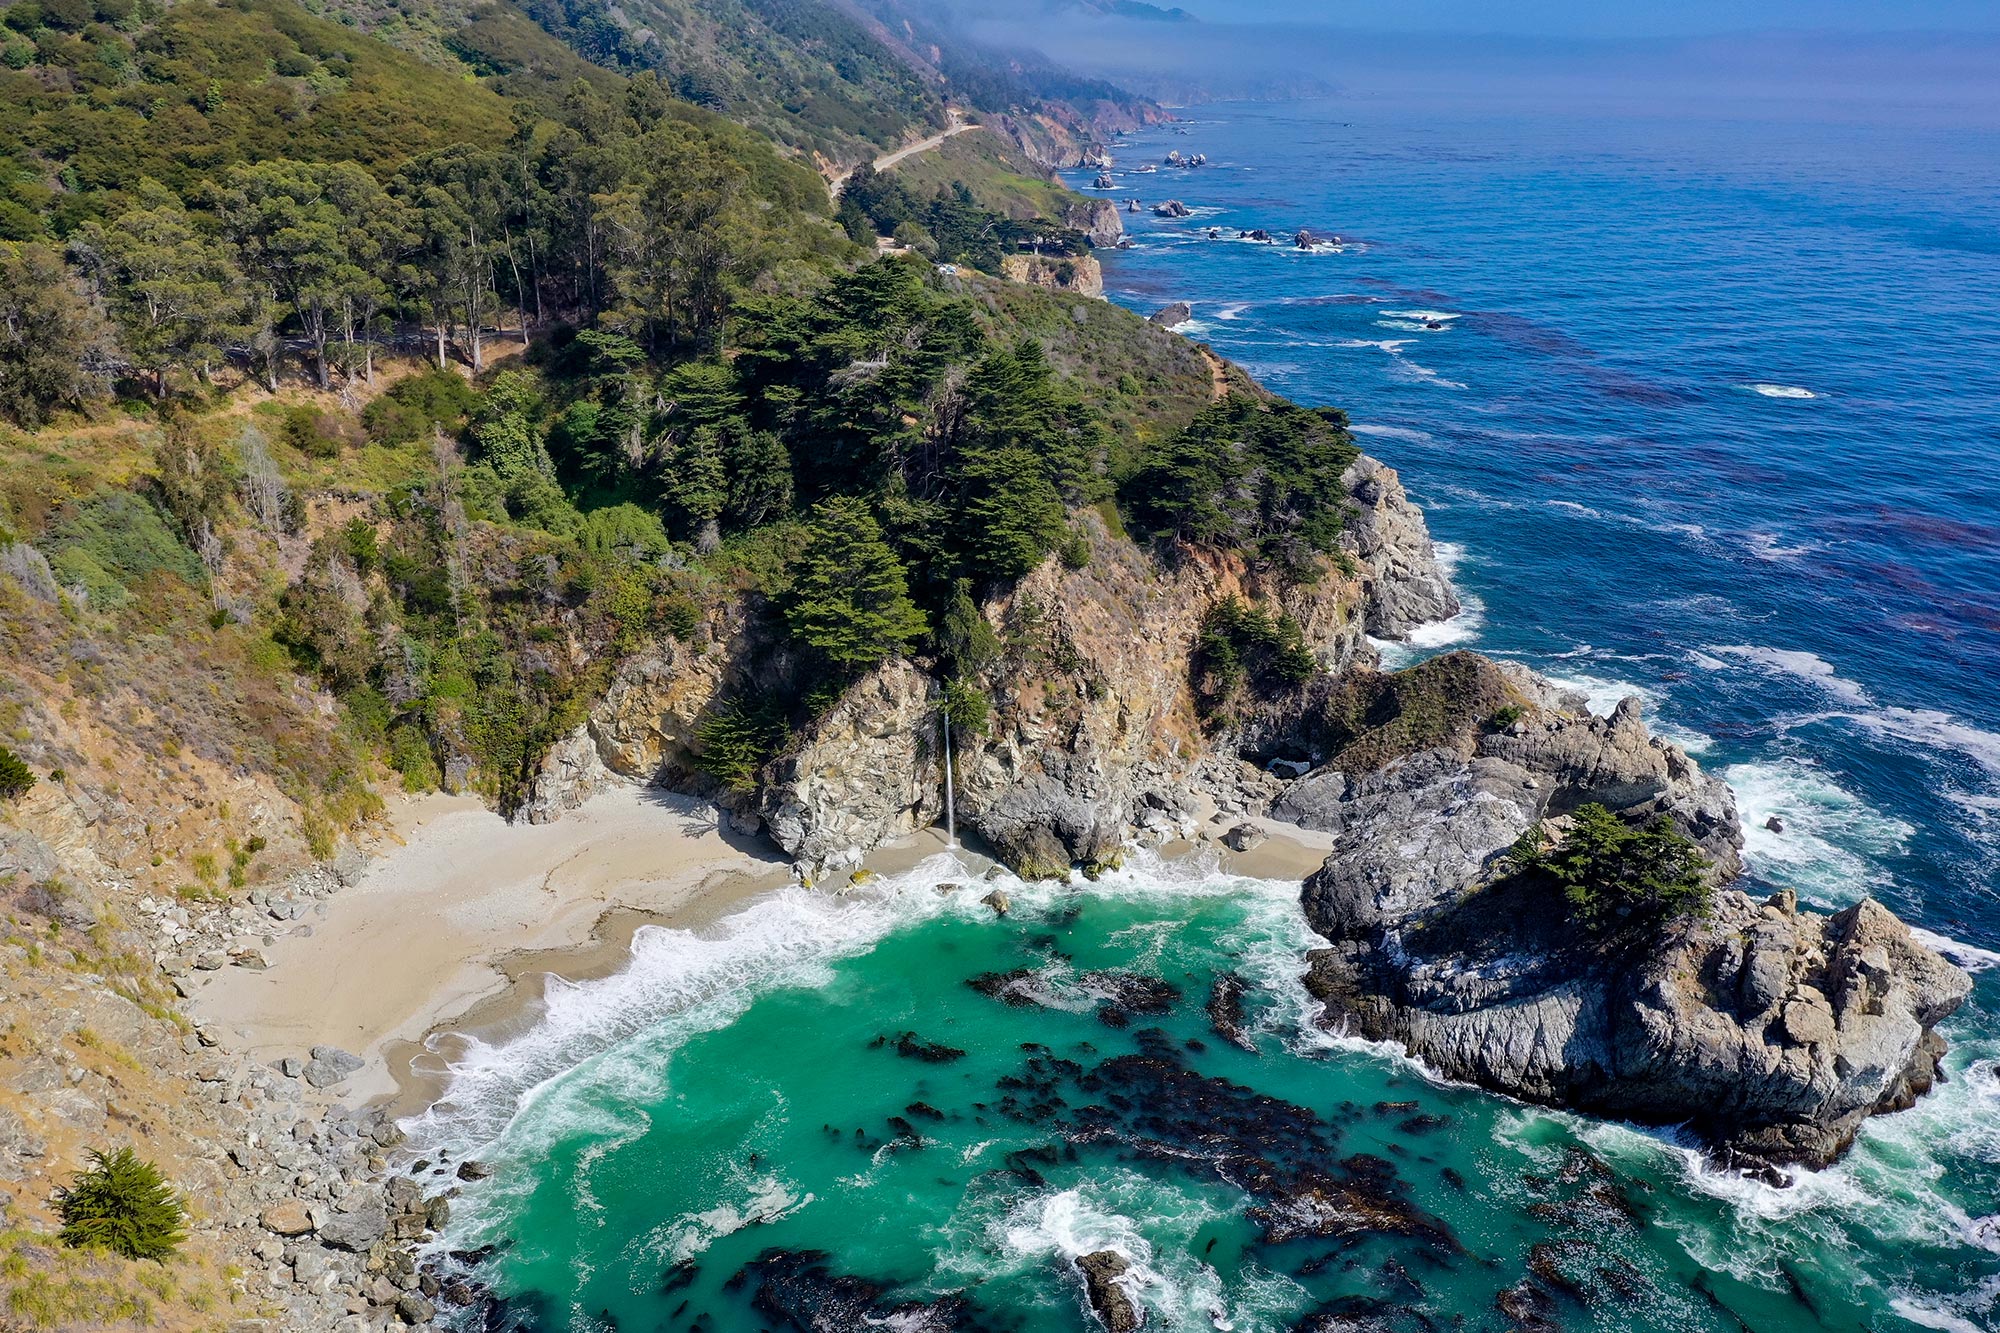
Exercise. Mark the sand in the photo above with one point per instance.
(459, 922)
(442, 921)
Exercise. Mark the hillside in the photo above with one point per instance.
(367, 406)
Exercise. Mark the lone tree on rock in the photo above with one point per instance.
(124, 1205)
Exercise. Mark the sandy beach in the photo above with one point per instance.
(459, 921)
(460, 903)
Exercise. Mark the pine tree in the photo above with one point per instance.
(123, 1204)
(850, 601)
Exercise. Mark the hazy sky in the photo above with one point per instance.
(1610, 18)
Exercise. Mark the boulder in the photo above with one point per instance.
(287, 1217)
(330, 1065)
(356, 1230)
(1103, 1287)
(1167, 317)
(1244, 837)
(1172, 208)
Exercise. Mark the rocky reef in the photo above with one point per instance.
(1770, 1033)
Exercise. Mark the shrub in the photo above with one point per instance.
(734, 742)
(1243, 644)
(16, 778)
(317, 433)
(124, 1205)
(1614, 873)
(1505, 716)
(968, 710)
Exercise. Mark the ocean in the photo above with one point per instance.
(1703, 410)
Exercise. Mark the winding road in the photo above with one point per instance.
(958, 125)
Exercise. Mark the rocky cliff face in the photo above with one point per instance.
(1097, 219)
(1407, 587)
(1771, 1032)
(1081, 276)
(1093, 737)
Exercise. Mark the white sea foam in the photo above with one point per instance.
(1394, 433)
(1931, 728)
(1150, 1223)
(1801, 665)
(759, 1201)
(1968, 956)
(1424, 316)
(1780, 391)
(1231, 313)
(1832, 842)
(676, 983)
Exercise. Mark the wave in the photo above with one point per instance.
(1934, 730)
(1798, 664)
(1394, 433)
(1828, 853)
(1424, 316)
(680, 980)
(1968, 956)
(1407, 368)
(1779, 391)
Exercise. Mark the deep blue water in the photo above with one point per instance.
(1610, 428)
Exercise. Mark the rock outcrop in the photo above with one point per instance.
(1770, 1032)
(868, 773)
(1104, 1275)
(1167, 317)
(1097, 219)
(1387, 534)
(1080, 275)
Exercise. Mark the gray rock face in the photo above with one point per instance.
(1407, 587)
(1771, 1032)
(869, 772)
(1180, 312)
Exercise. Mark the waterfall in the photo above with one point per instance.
(951, 813)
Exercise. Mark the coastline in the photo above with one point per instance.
(458, 908)
(454, 930)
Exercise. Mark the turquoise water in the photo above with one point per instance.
(1610, 429)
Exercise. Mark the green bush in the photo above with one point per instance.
(317, 433)
(733, 743)
(1505, 716)
(124, 1205)
(1245, 645)
(16, 779)
(968, 710)
(113, 540)
(1615, 874)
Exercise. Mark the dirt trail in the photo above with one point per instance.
(888, 160)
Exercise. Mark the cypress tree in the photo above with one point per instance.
(123, 1204)
(850, 600)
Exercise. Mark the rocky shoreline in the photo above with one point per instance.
(1769, 1032)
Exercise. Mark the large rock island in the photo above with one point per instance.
(1770, 1033)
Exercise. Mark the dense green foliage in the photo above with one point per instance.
(951, 225)
(123, 1204)
(1260, 477)
(237, 182)
(1615, 874)
(1243, 646)
(16, 778)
